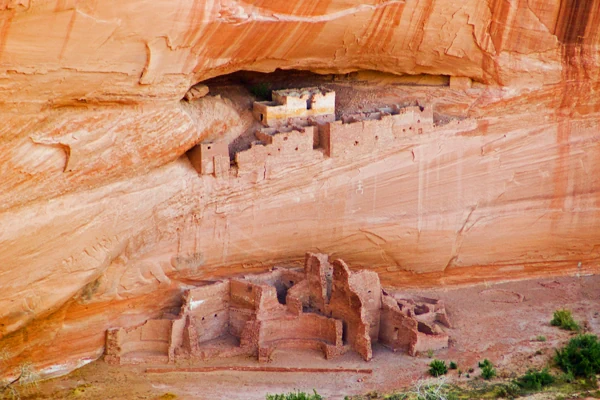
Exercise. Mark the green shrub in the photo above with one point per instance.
(564, 320)
(453, 365)
(295, 396)
(580, 357)
(535, 380)
(437, 368)
(487, 369)
(541, 338)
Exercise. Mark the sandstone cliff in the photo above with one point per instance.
(103, 221)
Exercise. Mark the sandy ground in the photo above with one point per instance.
(499, 322)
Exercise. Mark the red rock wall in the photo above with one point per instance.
(102, 220)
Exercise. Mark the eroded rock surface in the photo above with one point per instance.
(104, 221)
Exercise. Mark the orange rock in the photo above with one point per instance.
(102, 219)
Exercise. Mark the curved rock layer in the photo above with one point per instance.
(82, 51)
(103, 221)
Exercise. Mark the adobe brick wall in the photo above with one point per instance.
(368, 288)
(152, 337)
(346, 304)
(294, 103)
(210, 158)
(209, 308)
(397, 330)
(305, 326)
(319, 275)
(326, 307)
(276, 151)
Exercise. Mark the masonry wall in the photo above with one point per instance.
(397, 330)
(303, 327)
(290, 104)
(298, 297)
(277, 152)
(152, 337)
(318, 273)
(210, 158)
(209, 307)
(243, 303)
(282, 279)
(346, 304)
(355, 136)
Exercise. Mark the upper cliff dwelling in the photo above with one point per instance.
(306, 124)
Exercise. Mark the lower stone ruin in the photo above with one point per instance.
(325, 307)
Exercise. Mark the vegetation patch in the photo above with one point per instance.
(564, 320)
(580, 357)
(487, 369)
(295, 396)
(535, 380)
(437, 368)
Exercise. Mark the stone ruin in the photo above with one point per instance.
(299, 127)
(326, 307)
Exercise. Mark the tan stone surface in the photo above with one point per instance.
(102, 220)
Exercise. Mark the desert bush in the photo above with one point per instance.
(535, 380)
(453, 365)
(541, 338)
(295, 396)
(487, 369)
(437, 368)
(564, 320)
(580, 357)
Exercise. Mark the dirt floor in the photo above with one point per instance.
(500, 322)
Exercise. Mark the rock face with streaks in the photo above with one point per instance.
(104, 221)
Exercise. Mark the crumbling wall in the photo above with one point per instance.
(411, 324)
(282, 279)
(398, 331)
(307, 330)
(364, 133)
(208, 306)
(307, 326)
(298, 297)
(324, 307)
(368, 288)
(348, 304)
(319, 275)
(276, 152)
(148, 341)
(210, 158)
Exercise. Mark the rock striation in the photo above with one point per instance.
(105, 222)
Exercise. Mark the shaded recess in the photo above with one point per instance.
(300, 101)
